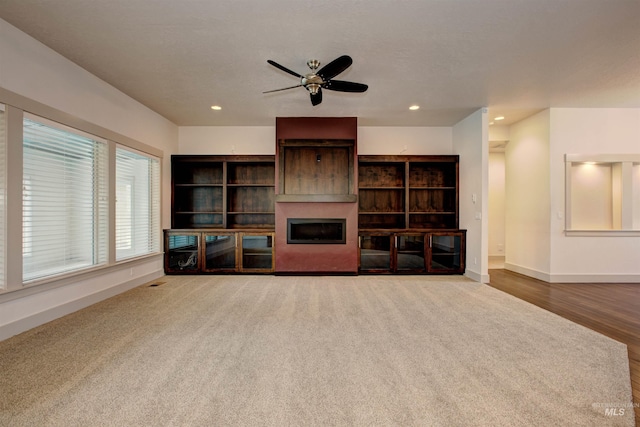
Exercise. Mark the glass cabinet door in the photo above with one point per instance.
(446, 252)
(375, 253)
(220, 252)
(182, 252)
(410, 253)
(257, 252)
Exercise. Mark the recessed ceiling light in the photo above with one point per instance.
(414, 107)
(216, 107)
(490, 123)
(499, 118)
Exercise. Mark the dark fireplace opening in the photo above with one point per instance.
(316, 231)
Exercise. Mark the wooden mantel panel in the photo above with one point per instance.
(316, 128)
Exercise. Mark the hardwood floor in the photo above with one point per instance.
(612, 309)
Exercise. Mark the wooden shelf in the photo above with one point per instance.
(237, 191)
(417, 187)
(316, 198)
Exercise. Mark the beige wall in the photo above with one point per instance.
(496, 204)
(471, 142)
(590, 131)
(262, 140)
(536, 242)
(36, 79)
(527, 197)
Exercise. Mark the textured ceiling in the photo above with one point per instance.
(451, 57)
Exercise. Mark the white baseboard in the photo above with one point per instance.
(595, 278)
(482, 278)
(527, 271)
(23, 325)
(573, 278)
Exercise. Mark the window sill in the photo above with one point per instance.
(54, 282)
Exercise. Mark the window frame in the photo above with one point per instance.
(99, 213)
(3, 197)
(17, 106)
(155, 230)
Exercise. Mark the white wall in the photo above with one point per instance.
(496, 204)
(590, 131)
(635, 190)
(527, 204)
(41, 80)
(227, 140)
(378, 140)
(262, 140)
(471, 142)
(30, 69)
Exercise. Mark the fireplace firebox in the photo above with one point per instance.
(316, 231)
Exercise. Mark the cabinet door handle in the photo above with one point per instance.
(430, 240)
(359, 242)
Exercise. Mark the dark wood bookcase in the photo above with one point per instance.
(223, 192)
(222, 215)
(381, 193)
(223, 208)
(408, 215)
(408, 192)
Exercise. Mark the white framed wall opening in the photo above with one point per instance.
(602, 194)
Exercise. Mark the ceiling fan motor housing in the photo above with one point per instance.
(312, 83)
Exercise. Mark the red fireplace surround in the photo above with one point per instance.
(316, 258)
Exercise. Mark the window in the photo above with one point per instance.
(64, 200)
(137, 204)
(3, 192)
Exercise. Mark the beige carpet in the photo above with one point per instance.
(277, 351)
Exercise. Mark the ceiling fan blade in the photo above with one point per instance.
(284, 88)
(335, 67)
(317, 98)
(342, 86)
(285, 69)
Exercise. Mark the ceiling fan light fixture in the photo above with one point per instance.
(315, 81)
(313, 88)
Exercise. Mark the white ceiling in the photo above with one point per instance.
(451, 57)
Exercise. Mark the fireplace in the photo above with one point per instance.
(316, 195)
(316, 231)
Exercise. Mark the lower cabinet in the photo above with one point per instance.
(182, 253)
(379, 252)
(412, 252)
(218, 252)
(446, 252)
(256, 253)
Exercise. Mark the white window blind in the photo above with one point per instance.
(65, 200)
(3, 195)
(137, 204)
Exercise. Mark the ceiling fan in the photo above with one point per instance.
(315, 81)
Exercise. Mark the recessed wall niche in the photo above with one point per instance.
(602, 193)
